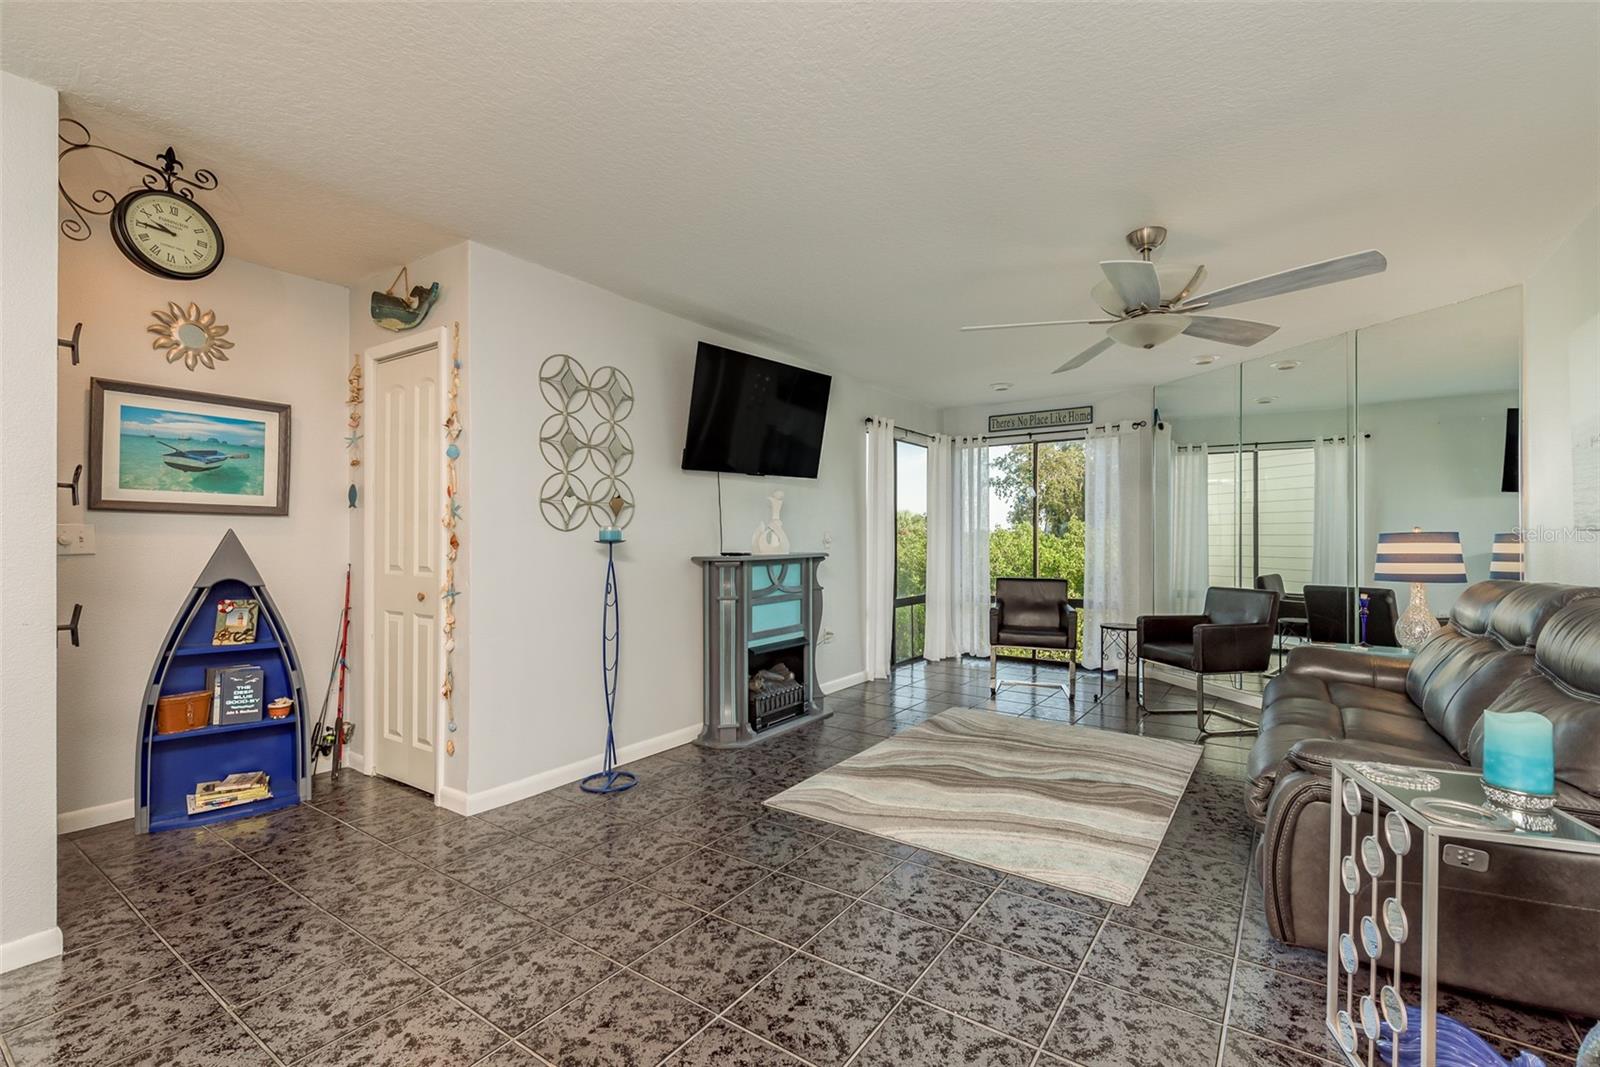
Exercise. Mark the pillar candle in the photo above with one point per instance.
(1519, 751)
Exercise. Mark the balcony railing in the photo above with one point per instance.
(910, 629)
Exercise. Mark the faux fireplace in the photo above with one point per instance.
(761, 619)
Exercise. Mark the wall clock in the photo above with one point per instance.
(158, 226)
(167, 234)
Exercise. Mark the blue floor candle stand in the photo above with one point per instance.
(610, 780)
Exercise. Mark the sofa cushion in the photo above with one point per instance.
(1289, 684)
(1564, 687)
(1456, 675)
(1381, 719)
(1388, 728)
(1475, 606)
(1370, 699)
(1521, 615)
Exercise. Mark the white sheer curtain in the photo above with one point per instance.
(939, 637)
(958, 548)
(877, 550)
(1189, 542)
(1117, 540)
(1331, 497)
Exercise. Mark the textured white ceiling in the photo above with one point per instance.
(855, 181)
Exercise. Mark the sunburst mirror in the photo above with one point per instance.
(190, 335)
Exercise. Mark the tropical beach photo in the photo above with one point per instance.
(181, 451)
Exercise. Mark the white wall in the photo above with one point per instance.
(291, 336)
(535, 609)
(28, 929)
(448, 267)
(1561, 385)
(1437, 464)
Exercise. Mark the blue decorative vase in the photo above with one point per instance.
(1589, 1051)
(1456, 1046)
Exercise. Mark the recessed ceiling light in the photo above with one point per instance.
(1265, 399)
(1000, 387)
(1285, 364)
(1203, 361)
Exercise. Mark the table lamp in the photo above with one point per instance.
(1419, 557)
(1506, 558)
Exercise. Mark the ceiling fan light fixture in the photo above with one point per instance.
(1147, 331)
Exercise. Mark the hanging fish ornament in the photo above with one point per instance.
(398, 313)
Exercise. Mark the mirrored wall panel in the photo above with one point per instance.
(1437, 405)
(1284, 471)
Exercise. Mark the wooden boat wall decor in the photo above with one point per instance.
(168, 766)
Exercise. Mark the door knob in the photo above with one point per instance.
(421, 597)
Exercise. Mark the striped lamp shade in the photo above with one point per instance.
(1506, 560)
(1420, 556)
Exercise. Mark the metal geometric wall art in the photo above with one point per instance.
(584, 442)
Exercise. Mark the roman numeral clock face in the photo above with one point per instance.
(168, 235)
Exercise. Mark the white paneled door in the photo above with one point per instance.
(402, 447)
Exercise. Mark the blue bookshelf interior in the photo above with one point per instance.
(169, 766)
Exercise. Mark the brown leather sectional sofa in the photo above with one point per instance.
(1528, 928)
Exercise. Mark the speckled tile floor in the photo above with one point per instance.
(679, 923)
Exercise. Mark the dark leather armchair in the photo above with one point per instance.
(1032, 613)
(1291, 608)
(1332, 615)
(1235, 633)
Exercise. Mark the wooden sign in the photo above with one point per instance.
(1049, 419)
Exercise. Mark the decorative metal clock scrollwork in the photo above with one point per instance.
(158, 226)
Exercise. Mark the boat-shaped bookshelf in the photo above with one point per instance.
(169, 766)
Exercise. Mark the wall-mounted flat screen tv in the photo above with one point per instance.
(750, 415)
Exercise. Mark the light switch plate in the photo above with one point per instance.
(74, 539)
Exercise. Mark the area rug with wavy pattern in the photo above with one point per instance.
(1071, 806)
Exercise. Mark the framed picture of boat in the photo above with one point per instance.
(157, 449)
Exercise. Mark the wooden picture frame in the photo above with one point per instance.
(152, 448)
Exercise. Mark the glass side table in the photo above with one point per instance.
(1406, 811)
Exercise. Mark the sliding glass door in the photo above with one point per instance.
(1260, 499)
(1036, 518)
(910, 551)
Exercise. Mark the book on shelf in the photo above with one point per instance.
(236, 789)
(238, 694)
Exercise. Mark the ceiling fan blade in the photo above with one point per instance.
(1311, 275)
(1057, 322)
(1135, 281)
(1190, 286)
(1085, 356)
(1240, 332)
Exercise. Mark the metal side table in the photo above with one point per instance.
(1384, 814)
(1119, 635)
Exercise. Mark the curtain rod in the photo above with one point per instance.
(1028, 434)
(1162, 425)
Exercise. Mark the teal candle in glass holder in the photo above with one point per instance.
(610, 534)
(1519, 751)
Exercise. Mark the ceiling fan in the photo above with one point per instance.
(1150, 304)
